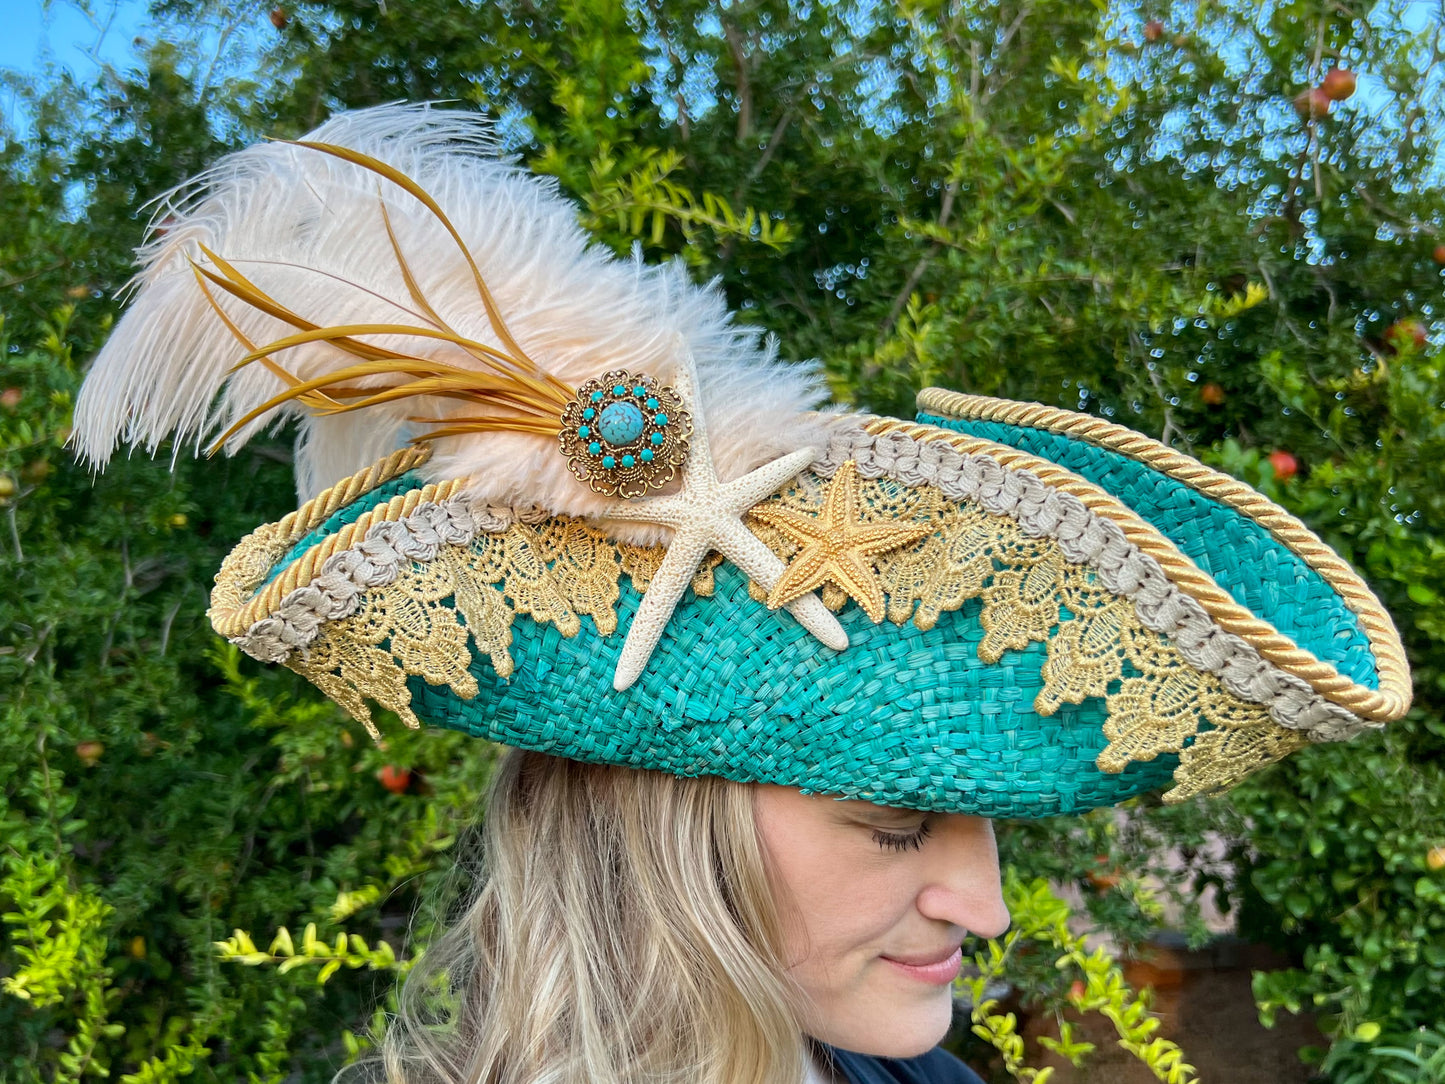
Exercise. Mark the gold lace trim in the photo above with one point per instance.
(247, 566)
(556, 573)
(641, 564)
(1392, 698)
(561, 570)
(1096, 645)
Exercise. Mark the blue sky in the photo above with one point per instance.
(83, 35)
(35, 31)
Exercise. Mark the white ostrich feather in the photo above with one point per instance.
(307, 228)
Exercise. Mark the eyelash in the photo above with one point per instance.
(906, 841)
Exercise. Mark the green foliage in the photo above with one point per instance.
(1417, 1058)
(59, 941)
(646, 202)
(1131, 866)
(348, 951)
(156, 790)
(178, 1062)
(1096, 984)
(1022, 199)
(1357, 897)
(57, 935)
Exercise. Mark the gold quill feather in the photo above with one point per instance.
(516, 394)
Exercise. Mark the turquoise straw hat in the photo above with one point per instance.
(1048, 646)
(650, 550)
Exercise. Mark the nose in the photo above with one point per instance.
(964, 887)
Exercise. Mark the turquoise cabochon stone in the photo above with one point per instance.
(620, 423)
(903, 717)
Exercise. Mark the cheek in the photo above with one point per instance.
(852, 998)
(843, 911)
(843, 903)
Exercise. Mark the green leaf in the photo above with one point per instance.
(1366, 1032)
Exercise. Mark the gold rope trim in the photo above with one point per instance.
(232, 615)
(1391, 662)
(561, 570)
(1156, 702)
(328, 502)
(1389, 702)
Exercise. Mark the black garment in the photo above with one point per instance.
(938, 1066)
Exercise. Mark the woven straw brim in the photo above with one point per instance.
(1258, 570)
(1033, 660)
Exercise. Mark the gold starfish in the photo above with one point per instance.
(836, 545)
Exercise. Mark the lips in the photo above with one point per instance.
(937, 968)
(924, 959)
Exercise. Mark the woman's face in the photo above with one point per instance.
(875, 903)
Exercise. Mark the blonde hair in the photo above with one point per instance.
(621, 931)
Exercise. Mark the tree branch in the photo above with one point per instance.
(34, 274)
(916, 275)
(774, 142)
(674, 62)
(992, 87)
(1171, 430)
(745, 87)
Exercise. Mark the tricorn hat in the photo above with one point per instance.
(581, 511)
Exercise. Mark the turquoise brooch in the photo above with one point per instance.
(625, 434)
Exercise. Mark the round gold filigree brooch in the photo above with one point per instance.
(625, 434)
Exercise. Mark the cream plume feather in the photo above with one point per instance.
(307, 228)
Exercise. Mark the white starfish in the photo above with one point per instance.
(708, 515)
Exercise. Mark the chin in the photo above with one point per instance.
(894, 1030)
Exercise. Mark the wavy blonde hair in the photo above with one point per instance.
(621, 931)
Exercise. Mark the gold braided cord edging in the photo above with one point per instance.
(328, 502)
(1022, 583)
(422, 622)
(232, 615)
(1384, 638)
(1389, 702)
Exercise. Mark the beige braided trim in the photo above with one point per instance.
(1389, 702)
(231, 616)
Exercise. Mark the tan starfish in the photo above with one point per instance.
(708, 515)
(836, 545)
